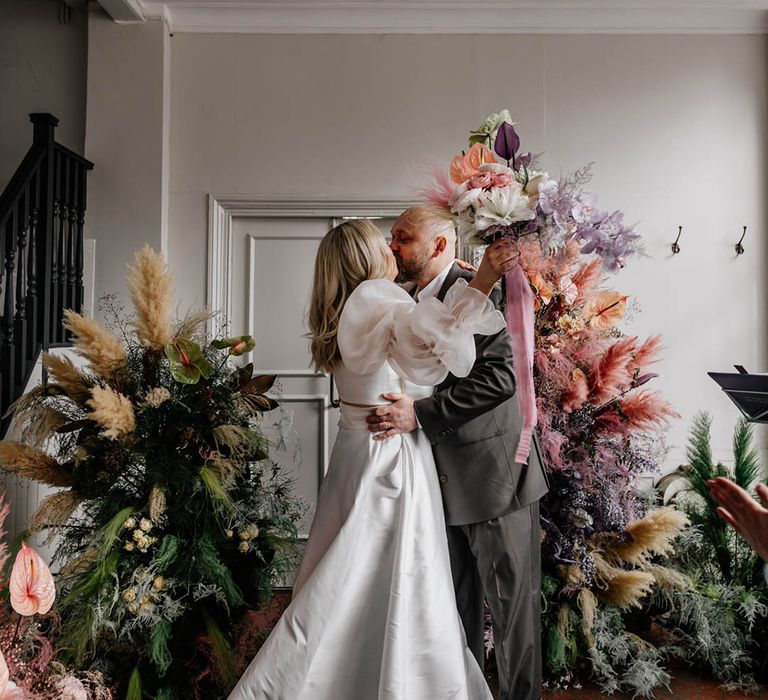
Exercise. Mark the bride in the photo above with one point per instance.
(373, 615)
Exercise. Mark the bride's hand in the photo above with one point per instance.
(500, 257)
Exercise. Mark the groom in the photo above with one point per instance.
(491, 503)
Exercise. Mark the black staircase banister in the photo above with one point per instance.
(18, 182)
(42, 213)
(74, 156)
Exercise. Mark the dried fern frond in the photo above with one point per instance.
(103, 351)
(53, 512)
(32, 463)
(71, 380)
(112, 411)
(151, 291)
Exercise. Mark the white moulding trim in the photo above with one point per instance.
(223, 209)
(554, 17)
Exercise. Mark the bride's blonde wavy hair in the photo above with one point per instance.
(349, 253)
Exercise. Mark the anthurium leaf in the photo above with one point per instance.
(259, 384)
(259, 402)
(244, 375)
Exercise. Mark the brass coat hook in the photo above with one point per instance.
(740, 248)
(675, 246)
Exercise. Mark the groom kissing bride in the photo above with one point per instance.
(374, 615)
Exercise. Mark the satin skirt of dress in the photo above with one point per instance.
(373, 615)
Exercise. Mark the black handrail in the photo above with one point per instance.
(42, 213)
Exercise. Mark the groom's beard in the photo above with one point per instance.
(412, 270)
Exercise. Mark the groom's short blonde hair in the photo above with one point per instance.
(428, 219)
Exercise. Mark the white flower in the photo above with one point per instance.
(464, 198)
(535, 179)
(503, 206)
(465, 224)
(70, 688)
(244, 547)
(129, 595)
(145, 524)
(129, 524)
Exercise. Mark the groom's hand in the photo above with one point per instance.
(398, 417)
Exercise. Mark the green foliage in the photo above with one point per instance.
(722, 555)
(185, 523)
(159, 653)
(721, 624)
(134, 691)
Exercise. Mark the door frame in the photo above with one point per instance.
(222, 209)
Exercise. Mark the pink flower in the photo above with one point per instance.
(31, 584)
(502, 179)
(8, 689)
(482, 180)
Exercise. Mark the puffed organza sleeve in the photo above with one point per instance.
(422, 342)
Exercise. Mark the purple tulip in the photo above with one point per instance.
(507, 142)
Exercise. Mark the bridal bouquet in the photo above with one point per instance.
(494, 191)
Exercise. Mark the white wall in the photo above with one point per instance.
(675, 125)
(42, 69)
(127, 139)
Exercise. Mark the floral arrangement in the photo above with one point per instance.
(495, 192)
(172, 521)
(28, 630)
(599, 427)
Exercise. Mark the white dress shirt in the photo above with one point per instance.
(432, 289)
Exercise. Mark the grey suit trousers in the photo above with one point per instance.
(499, 561)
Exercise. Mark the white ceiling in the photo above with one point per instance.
(451, 16)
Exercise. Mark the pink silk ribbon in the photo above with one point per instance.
(520, 324)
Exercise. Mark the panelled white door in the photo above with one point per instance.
(260, 269)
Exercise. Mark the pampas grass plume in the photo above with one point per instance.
(151, 291)
(112, 411)
(102, 350)
(650, 536)
(64, 373)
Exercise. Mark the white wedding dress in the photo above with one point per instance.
(373, 615)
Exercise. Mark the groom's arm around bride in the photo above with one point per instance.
(491, 502)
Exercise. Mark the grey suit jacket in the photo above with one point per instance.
(474, 426)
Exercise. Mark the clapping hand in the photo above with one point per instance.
(748, 517)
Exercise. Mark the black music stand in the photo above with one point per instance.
(748, 391)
